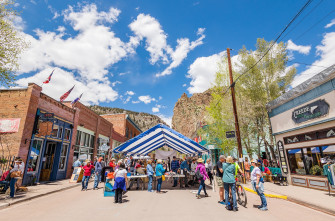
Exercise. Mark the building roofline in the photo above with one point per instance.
(133, 123)
(313, 82)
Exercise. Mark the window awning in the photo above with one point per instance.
(157, 137)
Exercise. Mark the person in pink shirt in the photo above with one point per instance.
(201, 175)
(87, 174)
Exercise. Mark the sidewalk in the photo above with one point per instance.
(315, 199)
(37, 191)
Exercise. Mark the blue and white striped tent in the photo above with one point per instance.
(159, 136)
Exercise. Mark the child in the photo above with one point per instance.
(120, 183)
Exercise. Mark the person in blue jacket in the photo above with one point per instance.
(159, 173)
(150, 173)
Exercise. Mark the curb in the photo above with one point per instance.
(268, 195)
(6, 205)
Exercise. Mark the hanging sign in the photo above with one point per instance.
(230, 134)
(310, 111)
(10, 125)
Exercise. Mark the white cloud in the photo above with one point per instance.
(202, 72)
(332, 22)
(184, 85)
(90, 53)
(16, 4)
(135, 102)
(326, 53)
(94, 91)
(166, 119)
(130, 93)
(33, 2)
(124, 73)
(183, 48)
(147, 99)
(116, 83)
(149, 28)
(155, 109)
(299, 48)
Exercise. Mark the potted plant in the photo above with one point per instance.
(315, 170)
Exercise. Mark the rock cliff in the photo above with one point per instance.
(144, 120)
(188, 112)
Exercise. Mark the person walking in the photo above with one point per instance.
(175, 167)
(209, 169)
(257, 183)
(159, 173)
(97, 177)
(150, 173)
(120, 182)
(229, 181)
(219, 175)
(201, 175)
(247, 168)
(87, 174)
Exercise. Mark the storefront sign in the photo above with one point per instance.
(47, 116)
(10, 125)
(230, 134)
(310, 111)
(283, 162)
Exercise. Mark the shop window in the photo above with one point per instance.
(312, 158)
(92, 141)
(67, 134)
(35, 154)
(328, 153)
(295, 159)
(60, 132)
(87, 140)
(63, 155)
(54, 132)
(78, 137)
(127, 132)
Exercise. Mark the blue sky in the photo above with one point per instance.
(142, 55)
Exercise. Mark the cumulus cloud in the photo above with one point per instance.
(299, 48)
(147, 99)
(101, 47)
(149, 28)
(180, 53)
(155, 109)
(332, 22)
(94, 91)
(326, 53)
(202, 72)
(130, 93)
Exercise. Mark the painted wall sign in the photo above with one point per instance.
(230, 134)
(310, 111)
(10, 125)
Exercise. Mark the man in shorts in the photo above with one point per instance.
(219, 175)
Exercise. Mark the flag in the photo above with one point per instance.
(76, 100)
(49, 78)
(64, 96)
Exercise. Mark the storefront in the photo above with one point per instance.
(49, 148)
(303, 123)
(103, 146)
(84, 147)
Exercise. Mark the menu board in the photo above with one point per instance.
(77, 175)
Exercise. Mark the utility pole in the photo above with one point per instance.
(237, 127)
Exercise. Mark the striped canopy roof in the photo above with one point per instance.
(156, 137)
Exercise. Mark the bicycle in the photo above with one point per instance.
(240, 193)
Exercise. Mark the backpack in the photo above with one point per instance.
(198, 175)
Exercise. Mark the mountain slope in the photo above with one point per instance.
(144, 120)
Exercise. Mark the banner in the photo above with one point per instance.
(163, 155)
(10, 125)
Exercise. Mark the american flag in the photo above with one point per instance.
(64, 96)
(76, 100)
(49, 78)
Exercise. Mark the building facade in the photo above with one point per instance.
(303, 123)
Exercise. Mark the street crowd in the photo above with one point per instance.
(195, 171)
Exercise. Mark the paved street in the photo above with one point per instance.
(175, 204)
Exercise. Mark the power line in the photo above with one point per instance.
(310, 12)
(271, 46)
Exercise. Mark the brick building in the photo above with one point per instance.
(123, 125)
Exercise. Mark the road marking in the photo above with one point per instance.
(268, 195)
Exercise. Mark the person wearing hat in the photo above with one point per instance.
(18, 168)
(257, 183)
(97, 177)
(229, 181)
(159, 173)
(203, 176)
(87, 174)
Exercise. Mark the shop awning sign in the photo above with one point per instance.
(9, 125)
(47, 116)
(310, 111)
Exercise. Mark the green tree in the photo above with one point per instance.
(11, 44)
